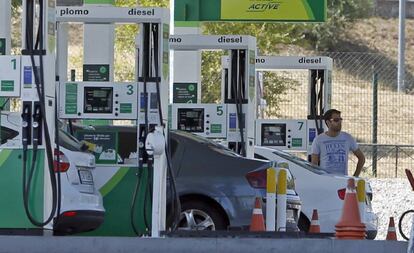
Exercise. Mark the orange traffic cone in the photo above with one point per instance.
(257, 223)
(314, 226)
(391, 235)
(350, 226)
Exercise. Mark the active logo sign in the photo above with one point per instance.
(262, 7)
(251, 10)
(266, 9)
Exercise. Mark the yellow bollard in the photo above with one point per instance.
(361, 198)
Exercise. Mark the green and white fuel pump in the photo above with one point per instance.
(298, 134)
(30, 196)
(144, 101)
(295, 134)
(231, 120)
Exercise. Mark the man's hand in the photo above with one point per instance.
(315, 159)
(361, 161)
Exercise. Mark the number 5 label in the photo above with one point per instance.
(219, 110)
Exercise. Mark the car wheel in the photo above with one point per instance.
(303, 223)
(196, 215)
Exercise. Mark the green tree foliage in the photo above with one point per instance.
(125, 40)
(276, 88)
(341, 13)
(268, 35)
(16, 3)
(129, 3)
(16, 24)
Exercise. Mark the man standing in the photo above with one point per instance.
(330, 149)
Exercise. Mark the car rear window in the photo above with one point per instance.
(209, 143)
(68, 141)
(301, 162)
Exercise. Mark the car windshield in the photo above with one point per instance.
(211, 144)
(301, 162)
(66, 140)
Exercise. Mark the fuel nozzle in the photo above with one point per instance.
(27, 108)
(37, 117)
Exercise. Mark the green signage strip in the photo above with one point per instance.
(71, 98)
(215, 128)
(251, 10)
(185, 93)
(125, 107)
(96, 72)
(7, 85)
(2, 46)
(96, 122)
(296, 142)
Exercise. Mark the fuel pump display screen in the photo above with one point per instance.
(153, 101)
(273, 134)
(98, 100)
(191, 119)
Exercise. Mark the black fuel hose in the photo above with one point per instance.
(39, 83)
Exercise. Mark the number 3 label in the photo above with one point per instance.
(130, 89)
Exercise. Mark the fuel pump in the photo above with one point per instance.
(298, 134)
(5, 28)
(143, 101)
(31, 200)
(231, 120)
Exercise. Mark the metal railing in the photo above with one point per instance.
(385, 160)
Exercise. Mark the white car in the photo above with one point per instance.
(81, 203)
(319, 190)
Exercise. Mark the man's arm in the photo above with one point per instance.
(361, 161)
(315, 159)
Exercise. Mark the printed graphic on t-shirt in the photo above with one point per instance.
(336, 155)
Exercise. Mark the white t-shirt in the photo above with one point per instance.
(333, 151)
